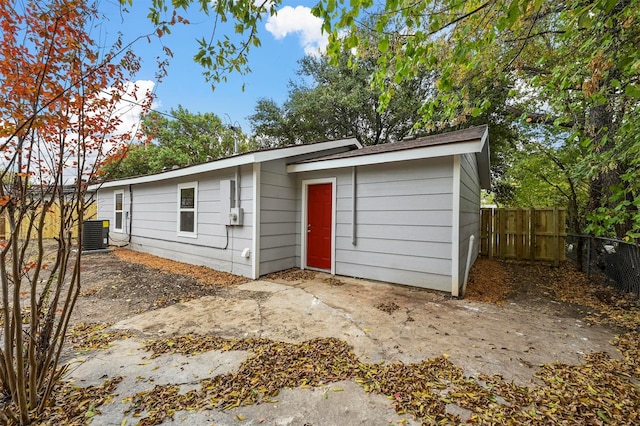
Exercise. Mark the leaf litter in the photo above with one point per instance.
(203, 274)
(293, 274)
(74, 405)
(90, 336)
(333, 281)
(388, 307)
(489, 282)
(495, 281)
(274, 366)
(602, 390)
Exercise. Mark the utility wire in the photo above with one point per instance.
(166, 114)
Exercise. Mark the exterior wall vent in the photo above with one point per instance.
(95, 235)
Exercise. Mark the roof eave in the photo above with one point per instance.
(483, 158)
(225, 163)
(432, 151)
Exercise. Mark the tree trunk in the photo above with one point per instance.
(600, 129)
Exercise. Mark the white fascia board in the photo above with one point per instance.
(187, 171)
(390, 157)
(239, 160)
(483, 158)
(262, 156)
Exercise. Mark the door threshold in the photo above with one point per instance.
(326, 271)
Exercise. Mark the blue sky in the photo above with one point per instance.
(285, 39)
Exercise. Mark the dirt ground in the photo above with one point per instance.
(491, 348)
(124, 283)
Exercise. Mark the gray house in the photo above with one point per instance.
(401, 212)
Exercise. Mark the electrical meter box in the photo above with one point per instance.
(235, 216)
(230, 214)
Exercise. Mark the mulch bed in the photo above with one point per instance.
(202, 274)
(489, 281)
(497, 281)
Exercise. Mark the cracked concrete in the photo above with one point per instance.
(510, 340)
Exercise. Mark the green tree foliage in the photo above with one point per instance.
(541, 172)
(574, 66)
(218, 52)
(337, 101)
(177, 139)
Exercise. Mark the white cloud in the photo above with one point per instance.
(263, 3)
(129, 108)
(300, 22)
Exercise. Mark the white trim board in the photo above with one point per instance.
(389, 157)
(256, 222)
(455, 228)
(238, 160)
(303, 220)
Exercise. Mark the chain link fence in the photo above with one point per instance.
(616, 260)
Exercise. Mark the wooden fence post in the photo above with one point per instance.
(51, 223)
(494, 234)
(555, 249)
(532, 234)
(502, 227)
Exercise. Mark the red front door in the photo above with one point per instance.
(319, 210)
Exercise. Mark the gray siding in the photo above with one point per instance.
(403, 222)
(277, 217)
(154, 216)
(279, 214)
(403, 233)
(469, 212)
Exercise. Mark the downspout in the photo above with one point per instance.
(235, 152)
(237, 206)
(237, 191)
(354, 194)
(468, 266)
(130, 212)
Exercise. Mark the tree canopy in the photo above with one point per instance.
(176, 139)
(574, 67)
(59, 119)
(337, 101)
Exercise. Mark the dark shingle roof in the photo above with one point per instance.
(456, 136)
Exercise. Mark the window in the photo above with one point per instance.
(118, 210)
(187, 209)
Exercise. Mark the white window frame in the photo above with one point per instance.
(116, 211)
(181, 209)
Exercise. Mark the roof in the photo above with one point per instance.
(470, 134)
(236, 160)
(465, 141)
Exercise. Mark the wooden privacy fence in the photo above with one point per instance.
(532, 234)
(51, 222)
